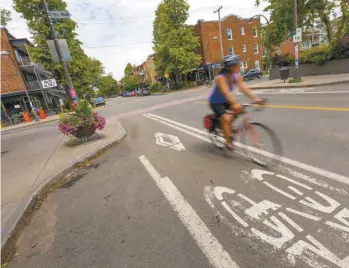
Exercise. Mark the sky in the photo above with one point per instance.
(120, 31)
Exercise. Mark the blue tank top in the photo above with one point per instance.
(217, 96)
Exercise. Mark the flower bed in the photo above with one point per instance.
(77, 123)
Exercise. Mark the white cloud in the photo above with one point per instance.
(127, 24)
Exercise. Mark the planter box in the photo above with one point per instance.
(330, 67)
(85, 132)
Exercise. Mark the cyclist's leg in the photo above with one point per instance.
(224, 118)
(226, 121)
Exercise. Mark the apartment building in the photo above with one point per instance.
(240, 36)
(20, 75)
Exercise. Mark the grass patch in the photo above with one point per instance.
(295, 80)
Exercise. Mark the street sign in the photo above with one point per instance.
(17, 106)
(48, 83)
(166, 75)
(62, 43)
(170, 141)
(59, 14)
(297, 35)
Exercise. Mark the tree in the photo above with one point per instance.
(5, 16)
(175, 45)
(107, 85)
(131, 82)
(281, 17)
(129, 69)
(84, 70)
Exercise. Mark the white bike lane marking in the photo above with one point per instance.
(208, 244)
(200, 134)
(280, 225)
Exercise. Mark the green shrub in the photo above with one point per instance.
(284, 60)
(295, 80)
(340, 49)
(155, 87)
(317, 55)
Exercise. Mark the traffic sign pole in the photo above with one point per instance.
(71, 91)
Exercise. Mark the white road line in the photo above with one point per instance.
(288, 161)
(291, 222)
(208, 244)
(279, 190)
(305, 215)
(295, 190)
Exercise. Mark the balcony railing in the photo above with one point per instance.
(33, 85)
(24, 61)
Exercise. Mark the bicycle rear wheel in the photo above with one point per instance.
(260, 144)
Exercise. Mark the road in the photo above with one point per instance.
(153, 202)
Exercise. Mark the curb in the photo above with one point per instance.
(5, 130)
(29, 204)
(298, 86)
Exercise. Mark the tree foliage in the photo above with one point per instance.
(5, 16)
(85, 71)
(107, 86)
(131, 82)
(175, 45)
(281, 17)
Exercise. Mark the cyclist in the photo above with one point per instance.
(223, 96)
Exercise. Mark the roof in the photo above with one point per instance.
(224, 18)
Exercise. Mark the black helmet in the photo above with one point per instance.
(231, 60)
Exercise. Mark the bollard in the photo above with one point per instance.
(42, 114)
(27, 117)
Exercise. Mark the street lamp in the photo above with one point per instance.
(210, 57)
(5, 53)
(250, 21)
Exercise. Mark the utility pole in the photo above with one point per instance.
(59, 52)
(296, 45)
(220, 29)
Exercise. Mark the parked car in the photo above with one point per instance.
(132, 94)
(146, 92)
(252, 74)
(126, 94)
(99, 101)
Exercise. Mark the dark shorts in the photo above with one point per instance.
(219, 108)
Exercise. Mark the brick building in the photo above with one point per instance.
(239, 36)
(19, 74)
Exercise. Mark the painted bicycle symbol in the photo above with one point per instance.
(281, 225)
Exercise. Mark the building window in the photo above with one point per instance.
(255, 48)
(245, 65)
(256, 64)
(229, 34)
(242, 30)
(244, 48)
(255, 33)
(241, 67)
(231, 51)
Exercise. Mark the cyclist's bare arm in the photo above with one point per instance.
(245, 89)
(224, 88)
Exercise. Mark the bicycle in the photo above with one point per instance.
(260, 135)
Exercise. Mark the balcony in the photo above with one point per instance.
(33, 85)
(25, 61)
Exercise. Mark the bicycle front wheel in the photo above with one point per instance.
(260, 144)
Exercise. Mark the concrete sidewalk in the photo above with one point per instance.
(308, 81)
(23, 125)
(29, 168)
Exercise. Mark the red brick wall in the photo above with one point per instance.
(210, 49)
(11, 79)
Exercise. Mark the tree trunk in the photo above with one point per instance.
(329, 30)
(344, 20)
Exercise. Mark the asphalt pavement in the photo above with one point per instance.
(165, 197)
